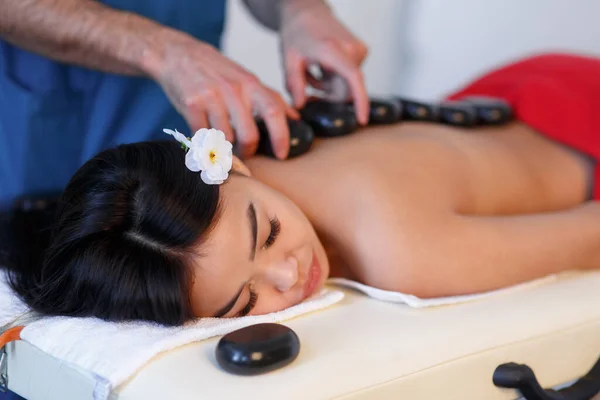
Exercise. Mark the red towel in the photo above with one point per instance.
(556, 94)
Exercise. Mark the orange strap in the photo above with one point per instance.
(10, 335)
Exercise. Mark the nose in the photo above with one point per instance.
(283, 274)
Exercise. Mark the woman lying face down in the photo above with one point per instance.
(140, 236)
(420, 208)
(262, 254)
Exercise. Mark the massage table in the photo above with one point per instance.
(362, 348)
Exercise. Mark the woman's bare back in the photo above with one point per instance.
(485, 171)
(368, 192)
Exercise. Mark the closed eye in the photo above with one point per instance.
(251, 303)
(274, 233)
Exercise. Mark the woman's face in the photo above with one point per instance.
(262, 256)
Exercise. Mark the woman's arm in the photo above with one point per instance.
(465, 254)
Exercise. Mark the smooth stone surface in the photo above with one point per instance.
(329, 119)
(490, 110)
(383, 111)
(257, 349)
(301, 138)
(417, 111)
(458, 114)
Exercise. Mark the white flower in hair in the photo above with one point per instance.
(208, 152)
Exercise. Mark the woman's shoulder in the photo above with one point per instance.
(376, 171)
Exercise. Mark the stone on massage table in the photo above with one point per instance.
(257, 349)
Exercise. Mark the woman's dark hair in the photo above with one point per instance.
(121, 238)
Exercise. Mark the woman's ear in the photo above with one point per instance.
(239, 166)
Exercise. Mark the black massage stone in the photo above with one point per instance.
(490, 111)
(329, 119)
(458, 114)
(301, 138)
(257, 349)
(382, 111)
(417, 111)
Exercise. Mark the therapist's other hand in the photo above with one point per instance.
(210, 90)
(311, 34)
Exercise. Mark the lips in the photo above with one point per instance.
(313, 278)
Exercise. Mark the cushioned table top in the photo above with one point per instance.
(362, 348)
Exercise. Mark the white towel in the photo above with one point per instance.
(417, 302)
(113, 352)
(11, 306)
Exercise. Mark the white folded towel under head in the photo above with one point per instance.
(417, 302)
(113, 352)
(11, 307)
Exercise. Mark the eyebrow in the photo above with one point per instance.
(253, 229)
(230, 305)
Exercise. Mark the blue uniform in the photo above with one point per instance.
(54, 117)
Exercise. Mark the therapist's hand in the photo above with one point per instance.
(310, 34)
(210, 90)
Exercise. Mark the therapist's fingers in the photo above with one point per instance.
(355, 49)
(295, 70)
(246, 131)
(290, 111)
(218, 115)
(239, 105)
(337, 61)
(274, 110)
(334, 87)
(196, 117)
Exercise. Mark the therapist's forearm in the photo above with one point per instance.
(83, 32)
(269, 12)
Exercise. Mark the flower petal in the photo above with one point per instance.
(212, 138)
(220, 135)
(226, 161)
(180, 137)
(216, 172)
(191, 162)
(202, 156)
(204, 143)
(199, 136)
(208, 180)
(225, 155)
(224, 147)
